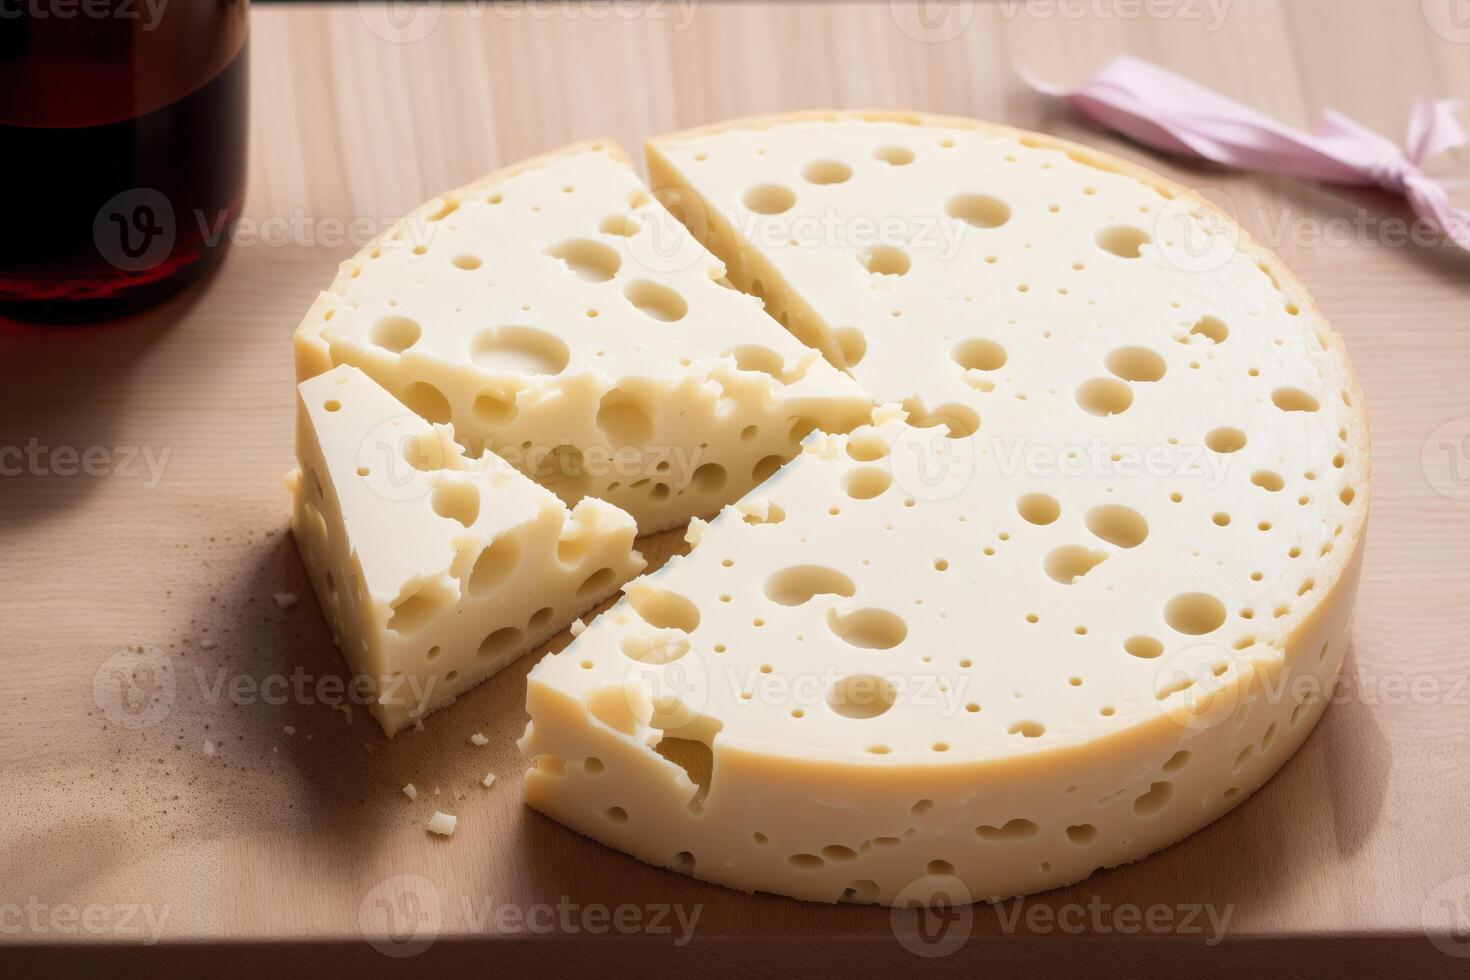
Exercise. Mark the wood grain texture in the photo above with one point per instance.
(279, 836)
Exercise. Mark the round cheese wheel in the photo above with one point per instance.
(1082, 586)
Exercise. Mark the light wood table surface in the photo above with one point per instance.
(284, 837)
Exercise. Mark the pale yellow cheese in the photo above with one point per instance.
(434, 569)
(557, 314)
(1083, 585)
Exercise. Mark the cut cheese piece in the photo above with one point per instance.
(435, 570)
(969, 271)
(885, 698)
(558, 315)
(1087, 614)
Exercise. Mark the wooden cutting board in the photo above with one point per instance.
(247, 809)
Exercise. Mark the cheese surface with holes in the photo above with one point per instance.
(1083, 584)
(435, 570)
(558, 315)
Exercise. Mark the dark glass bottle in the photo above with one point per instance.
(122, 150)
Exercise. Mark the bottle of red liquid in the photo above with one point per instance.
(122, 150)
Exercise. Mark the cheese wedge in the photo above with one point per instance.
(557, 314)
(434, 569)
(1082, 586)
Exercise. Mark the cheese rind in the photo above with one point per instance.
(433, 569)
(558, 315)
(1095, 596)
(873, 724)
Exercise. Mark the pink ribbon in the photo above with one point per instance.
(1169, 112)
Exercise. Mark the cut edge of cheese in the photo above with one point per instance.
(435, 570)
(557, 314)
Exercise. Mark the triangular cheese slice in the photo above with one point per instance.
(434, 569)
(558, 315)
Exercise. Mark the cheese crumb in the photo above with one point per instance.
(577, 628)
(442, 823)
(290, 729)
(478, 739)
(411, 791)
(756, 509)
(286, 599)
(694, 533)
(206, 644)
(208, 748)
(889, 412)
(489, 780)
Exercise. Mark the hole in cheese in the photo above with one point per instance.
(799, 584)
(871, 629)
(979, 210)
(587, 259)
(861, 696)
